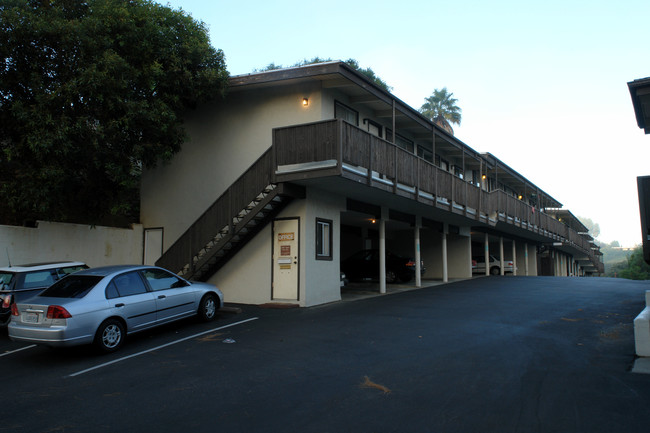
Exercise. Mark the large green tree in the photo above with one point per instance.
(442, 103)
(90, 92)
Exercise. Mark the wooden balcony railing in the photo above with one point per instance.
(345, 145)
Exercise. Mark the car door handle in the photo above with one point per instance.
(119, 305)
(162, 297)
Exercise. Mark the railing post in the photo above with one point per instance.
(370, 153)
(339, 130)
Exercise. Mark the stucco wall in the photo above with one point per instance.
(431, 252)
(532, 260)
(459, 259)
(321, 278)
(247, 279)
(94, 245)
(223, 141)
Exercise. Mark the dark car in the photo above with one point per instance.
(365, 265)
(23, 281)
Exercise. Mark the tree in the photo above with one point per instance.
(91, 92)
(593, 227)
(637, 268)
(442, 103)
(368, 72)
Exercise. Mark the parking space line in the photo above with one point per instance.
(159, 347)
(17, 350)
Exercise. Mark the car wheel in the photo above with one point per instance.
(110, 336)
(495, 270)
(391, 277)
(208, 307)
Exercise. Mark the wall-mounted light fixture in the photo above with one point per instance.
(305, 102)
(520, 197)
(484, 177)
(373, 221)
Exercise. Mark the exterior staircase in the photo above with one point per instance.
(229, 223)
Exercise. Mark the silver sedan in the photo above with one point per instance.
(102, 305)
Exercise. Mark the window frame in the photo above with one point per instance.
(320, 242)
(339, 105)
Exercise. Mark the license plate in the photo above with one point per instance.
(30, 318)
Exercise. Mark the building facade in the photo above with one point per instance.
(298, 169)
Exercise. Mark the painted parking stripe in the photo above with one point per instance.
(159, 347)
(17, 350)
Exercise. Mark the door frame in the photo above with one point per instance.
(273, 255)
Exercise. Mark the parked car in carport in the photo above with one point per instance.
(20, 282)
(365, 265)
(478, 265)
(103, 305)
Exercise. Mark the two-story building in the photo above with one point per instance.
(297, 169)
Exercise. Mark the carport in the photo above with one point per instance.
(441, 247)
(521, 252)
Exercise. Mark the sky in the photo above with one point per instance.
(542, 84)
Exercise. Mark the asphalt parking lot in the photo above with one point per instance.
(493, 354)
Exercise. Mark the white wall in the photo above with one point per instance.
(321, 278)
(459, 256)
(431, 252)
(94, 245)
(225, 138)
(532, 260)
(247, 279)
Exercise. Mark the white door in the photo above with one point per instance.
(153, 245)
(285, 258)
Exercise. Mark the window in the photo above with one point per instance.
(38, 279)
(323, 239)
(342, 111)
(425, 154)
(404, 143)
(62, 272)
(400, 140)
(373, 127)
(129, 284)
(159, 279)
(75, 286)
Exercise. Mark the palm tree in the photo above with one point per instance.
(441, 107)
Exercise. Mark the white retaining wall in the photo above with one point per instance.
(642, 329)
(48, 241)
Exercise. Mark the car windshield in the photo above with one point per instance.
(5, 279)
(72, 286)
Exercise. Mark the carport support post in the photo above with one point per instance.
(418, 271)
(501, 264)
(487, 254)
(445, 271)
(382, 250)
(514, 258)
(526, 257)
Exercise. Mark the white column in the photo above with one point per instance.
(514, 258)
(501, 261)
(526, 257)
(487, 255)
(445, 270)
(382, 251)
(418, 271)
